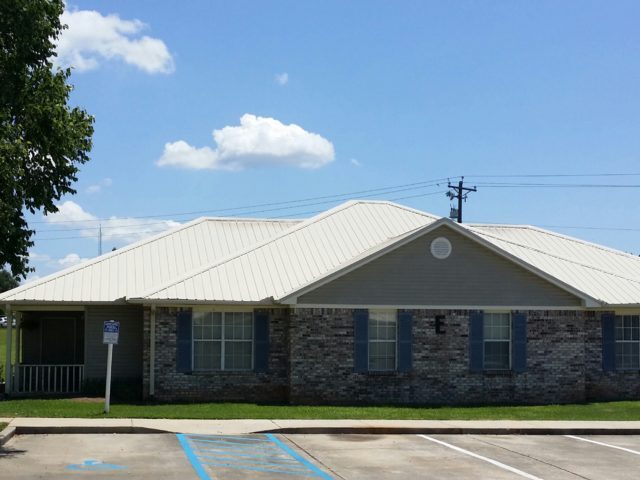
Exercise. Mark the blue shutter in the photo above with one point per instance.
(476, 341)
(261, 341)
(519, 339)
(361, 341)
(183, 342)
(608, 342)
(405, 326)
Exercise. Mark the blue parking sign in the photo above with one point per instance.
(110, 332)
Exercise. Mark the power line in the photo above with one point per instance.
(146, 224)
(555, 185)
(379, 191)
(140, 232)
(557, 175)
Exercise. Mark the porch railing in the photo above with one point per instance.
(48, 378)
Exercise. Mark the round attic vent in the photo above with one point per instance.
(441, 248)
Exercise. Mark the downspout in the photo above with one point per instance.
(8, 373)
(17, 350)
(152, 351)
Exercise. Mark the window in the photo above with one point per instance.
(497, 341)
(222, 340)
(382, 340)
(628, 342)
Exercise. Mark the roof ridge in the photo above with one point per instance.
(295, 228)
(100, 258)
(552, 233)
(591, 267)
(252, 219)
(585, 243)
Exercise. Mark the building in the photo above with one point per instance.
(369, 302)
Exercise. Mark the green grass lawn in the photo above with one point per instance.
(629, 410)
(3, 346)
(2, 425)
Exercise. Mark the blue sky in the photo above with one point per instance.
(344, 97)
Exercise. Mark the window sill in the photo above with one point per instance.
(498, 373)
(382, 373)
(222, 372)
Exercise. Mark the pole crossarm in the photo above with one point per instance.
(461, 193)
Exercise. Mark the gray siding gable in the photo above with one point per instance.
(473, 275)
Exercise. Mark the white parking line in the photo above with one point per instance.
(480, 457)
(635, 452)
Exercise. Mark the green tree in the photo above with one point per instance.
(43, 140)
(7, 281)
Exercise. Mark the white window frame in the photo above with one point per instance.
(394, 315)
(223, 342)
(620, 367)
(510, 340)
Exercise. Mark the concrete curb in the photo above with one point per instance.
(453, 431)
(7, 434)
(85, 429)
(9, 431)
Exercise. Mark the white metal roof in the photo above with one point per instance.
(248, 260)
(153, 261)
(608, 275)
(297, 256)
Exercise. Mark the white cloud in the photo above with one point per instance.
(256, 141)
(97, 188)
(31, 277)
(118, 230)
(69, 212)
(93, 37)
(282, 78)
(70, 260)
(355, 162)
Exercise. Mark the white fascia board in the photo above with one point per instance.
(24, 307)
(60, 305)
(441, 307)
(176, 302)
(290, 298)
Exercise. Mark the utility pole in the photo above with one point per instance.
(461, 193)
(100, 239)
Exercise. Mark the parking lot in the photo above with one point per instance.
(339, 456)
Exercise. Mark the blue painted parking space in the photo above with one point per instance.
(258, 456)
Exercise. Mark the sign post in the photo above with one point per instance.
(110, 333)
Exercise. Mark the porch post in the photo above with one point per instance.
(17, 359)
(7, 373)
(152, 351)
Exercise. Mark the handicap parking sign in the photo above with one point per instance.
(110, 332)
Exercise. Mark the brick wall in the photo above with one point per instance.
(606, 385)
(312, 353)
(322, 362)
(215, 386)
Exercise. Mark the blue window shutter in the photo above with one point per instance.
(519, 339)
(183, 342)
(476, 341)
(261, 341)
(608, 342)
(405, 327)
(361, 340)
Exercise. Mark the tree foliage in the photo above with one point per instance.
(7, 281)
(42, 139)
